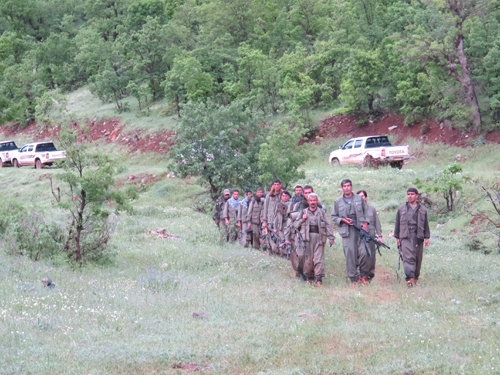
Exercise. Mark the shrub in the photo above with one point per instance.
(29, 233)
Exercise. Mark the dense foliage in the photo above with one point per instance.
(434, 58)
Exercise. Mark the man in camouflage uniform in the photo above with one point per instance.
(280, 222)
(230, 215)
(347, 209)
(314, 227)
(217, 212)
(412, 232)
(298, 192)
(270, 210)
(375, 230)
(245, 237)
(297, 255)
(254, 217)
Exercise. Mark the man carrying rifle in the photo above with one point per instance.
(296, 243)
(411, 232)
(313, 228)
(244, 236)
(269, 212)
(375, 230)
(254, 217)
(280, 223)
(230, 215)
(348, 209)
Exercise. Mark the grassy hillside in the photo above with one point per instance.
(135, 316)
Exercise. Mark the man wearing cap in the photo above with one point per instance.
(230, 215)
(411, 232)
(254, 217)
(217, 211)
(347, 209)
(375, 230)
(245, 237)
(315, 228)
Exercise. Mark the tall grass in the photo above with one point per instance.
(136, 315)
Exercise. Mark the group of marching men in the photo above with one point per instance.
(298, 228)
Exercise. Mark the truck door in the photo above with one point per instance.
(345, 152)
(357, 152)
(27, 156)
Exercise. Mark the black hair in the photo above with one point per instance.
(364, 193)
(346, 181)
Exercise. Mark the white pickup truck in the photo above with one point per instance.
(37, 154)
(6, 149)
(374, 150)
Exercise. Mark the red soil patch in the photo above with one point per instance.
(346, 126)
(111, 131)
(428, 131)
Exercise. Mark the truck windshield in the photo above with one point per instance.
(377, 141)
(43, 147)
(7, 146)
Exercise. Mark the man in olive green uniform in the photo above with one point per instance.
(245, 237)
(411, 232)
(375, 230)
(269, 212)
(230, 215)
(217, 212)
(280, 221)
(254, 217)
(347, 209)
(297, 255)
(314, 227)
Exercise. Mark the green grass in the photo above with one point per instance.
(135, 316)
(81, 104)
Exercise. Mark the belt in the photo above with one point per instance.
(313, 229)
(412, 227)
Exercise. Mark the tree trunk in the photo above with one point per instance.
(467, 85)
(79, 227)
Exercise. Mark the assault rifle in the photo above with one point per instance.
(265, 237)
(367, 237)
(288, 248)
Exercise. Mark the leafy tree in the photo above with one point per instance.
(87, 193)
(107, 17)
(187, 82)
(113, 73)
(297, 87)
(280, 156)
(447, 183)
(361, 80)
(219, 144)
(146, 48)
(439, 36)
(55, 61)
(258, 81)
(138, 13)
(20, 89)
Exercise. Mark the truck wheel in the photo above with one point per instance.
(1, 163)
(15, 163)
(335, 162)
(38, 164)
(400, 165)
